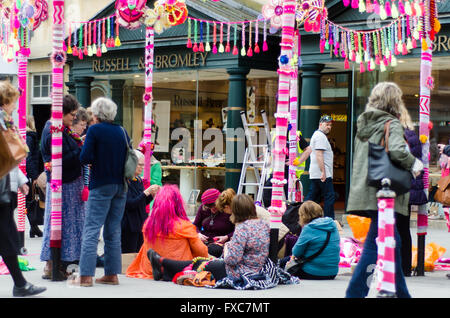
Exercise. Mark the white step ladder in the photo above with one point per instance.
(260, 167)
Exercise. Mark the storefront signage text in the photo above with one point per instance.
(174, 60)
(111, 65)
(178, 60)
(441, 43)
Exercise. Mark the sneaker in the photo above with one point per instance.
(27, 290)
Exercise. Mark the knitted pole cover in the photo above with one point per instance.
(386, 245)
(148, 99)
(424, 120)
(293, 104)
(58, 60)
(22, 60)
(282, 115)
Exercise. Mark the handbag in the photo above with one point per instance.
(381, 166)
(131, 160)
(442, 194)
(295, 264)
(12, 150)
(290, 218)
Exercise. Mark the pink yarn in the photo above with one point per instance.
(168, 209)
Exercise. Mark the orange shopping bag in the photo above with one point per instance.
(359, 226)
(433, 252)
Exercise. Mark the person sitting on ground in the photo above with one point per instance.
(169, 232)
(246, 252)
(213, 220)
(312, 237)
(135, 209)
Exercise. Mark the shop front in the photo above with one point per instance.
(197, 100)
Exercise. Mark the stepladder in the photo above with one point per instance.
(257, 157)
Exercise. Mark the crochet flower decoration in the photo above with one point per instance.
(273, 11)
(177, 12)
(128, 13)
(310, 13)
(158, 18)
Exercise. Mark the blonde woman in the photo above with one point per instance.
(384, 104)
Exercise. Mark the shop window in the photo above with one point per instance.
(41, 86)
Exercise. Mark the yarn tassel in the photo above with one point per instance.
(75, 51)
(401, 7)
(256, 50)
(235, 50)
(404, 49)
(195, 47)
(362, 6)
(99, 51)
(346, 64)
(369, 6)
(387, 8)
(201, 47)
(394, 11)
(408, 9)
(346, 3)
(189, 44)
(117, 42)
(355, 4)
(361, 67)
(376, 7)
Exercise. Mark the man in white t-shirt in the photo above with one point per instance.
(321, 167)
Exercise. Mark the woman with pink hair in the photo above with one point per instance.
(169, 232)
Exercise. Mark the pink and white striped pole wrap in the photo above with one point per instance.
(293, 104)
(58, 59)
(22, 61)
(426, 83)
(148, 99)
(386, 245)
(282, 115)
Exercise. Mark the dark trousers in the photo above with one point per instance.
(131, 242)
(9, 239)
(362, 277)
(402, 223)
(172, 267)
(318, 189)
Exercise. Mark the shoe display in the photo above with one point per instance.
(27, 290)
(155, 261)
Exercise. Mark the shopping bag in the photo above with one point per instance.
(359, 226)
(433, 252)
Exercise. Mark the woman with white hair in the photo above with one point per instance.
(135, 209)
(385, 104)
(105, 150)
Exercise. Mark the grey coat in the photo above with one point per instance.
(370, 127)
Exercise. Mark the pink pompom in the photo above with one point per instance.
(346, 2)
(265, 47)
(85, 194)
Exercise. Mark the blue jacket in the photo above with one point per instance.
(105, 149)
(71, 166)
(311, 239)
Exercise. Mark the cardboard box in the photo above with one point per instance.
(127, 258)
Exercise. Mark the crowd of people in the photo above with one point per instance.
(230, 235)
